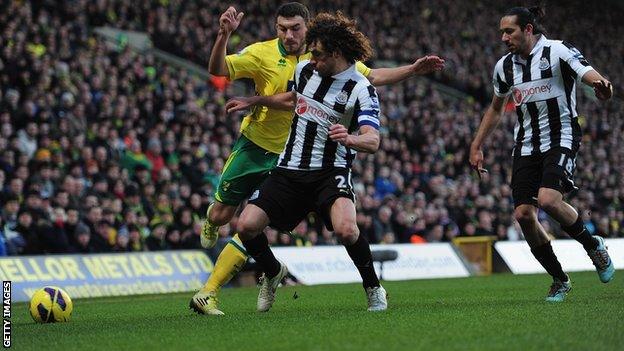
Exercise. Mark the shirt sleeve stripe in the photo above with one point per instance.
(368, 113)
(368, 123)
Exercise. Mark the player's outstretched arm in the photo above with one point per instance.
(283, 101)
(602, 87)
(424, 65)
(228, 22)
(489, 122)
(366, 141)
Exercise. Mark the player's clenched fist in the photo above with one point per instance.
(339, 134)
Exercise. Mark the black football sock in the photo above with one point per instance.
(578, 232)
(361, 255)
(258, 248)
(548, 260)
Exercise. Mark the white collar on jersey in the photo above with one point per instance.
(538, 46)
(346, 73)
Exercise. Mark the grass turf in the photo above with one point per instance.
(502, 312)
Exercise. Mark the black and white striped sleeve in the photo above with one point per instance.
(367, 107)
(573, 57)
(500, 81)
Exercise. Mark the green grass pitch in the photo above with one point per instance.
(501, 312)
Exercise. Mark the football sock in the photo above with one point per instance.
(361, 255)
(230, 261)
(578, 232)
(546, 257)
(258, 248)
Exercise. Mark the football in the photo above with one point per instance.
(50, 304)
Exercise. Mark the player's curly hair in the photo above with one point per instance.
(338, 33)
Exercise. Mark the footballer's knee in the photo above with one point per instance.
(247, 227)
(347, 233)
(549, 200)
(525, 214)
(221, 214)
(243, 229)
(251, 222)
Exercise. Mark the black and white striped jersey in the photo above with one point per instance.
(347, 98)
(543, 88)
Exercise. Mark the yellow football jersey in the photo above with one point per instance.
(272, 71)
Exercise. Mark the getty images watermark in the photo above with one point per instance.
(6, 313)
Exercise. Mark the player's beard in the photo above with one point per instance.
(296, 51)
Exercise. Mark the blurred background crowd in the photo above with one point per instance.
(104, 149)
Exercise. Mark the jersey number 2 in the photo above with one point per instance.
(342, 182)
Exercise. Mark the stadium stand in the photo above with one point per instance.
(100, 149)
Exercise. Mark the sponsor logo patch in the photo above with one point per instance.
(522, 95)
(303, 107)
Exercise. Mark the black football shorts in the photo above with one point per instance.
(553, 169)
(287, 196)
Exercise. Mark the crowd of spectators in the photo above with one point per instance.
(103, 149)
(466, 35)
(99, 149)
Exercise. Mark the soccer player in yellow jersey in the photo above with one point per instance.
(271, 65)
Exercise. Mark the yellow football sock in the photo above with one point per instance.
(230, 261)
